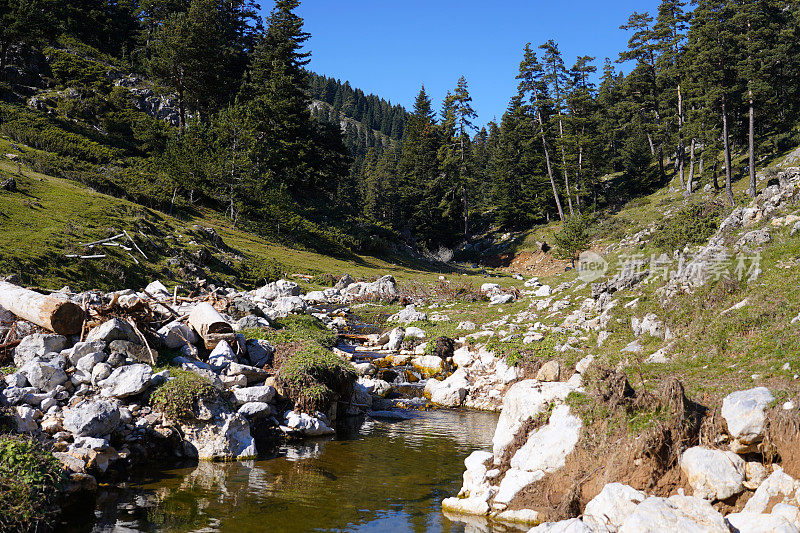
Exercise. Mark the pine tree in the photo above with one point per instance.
(556, 79)
(23, 21)
(533, 89)
(670, 36)
(454, 155)
(712, 55)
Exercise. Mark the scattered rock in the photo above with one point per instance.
(713, 474)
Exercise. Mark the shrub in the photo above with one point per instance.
(31, 480)
(178, 397)
(314, 377)
(573, 238)
(73, 70)
(693, 224)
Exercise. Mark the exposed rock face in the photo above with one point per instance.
(676, 513)
(713, 474)
(745, 414)
(523, 400)
(92, 419)
(607, 511)
(226, 437)
(779, 485)
(760, 523)
(544, 452)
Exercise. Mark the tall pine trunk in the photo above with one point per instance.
(681, 155)
(690, 183)
(751, 141)
(549, 166)
(727, 146)
(564, 164)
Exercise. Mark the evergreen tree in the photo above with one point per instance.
(556, 79)
(533, 88)
(712, 55)
(23, 21)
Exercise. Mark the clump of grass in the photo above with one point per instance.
(442, 291)
(178, 397)
(31, 480)
(314, 377)
(294, 328)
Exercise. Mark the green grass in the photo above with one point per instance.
(314, 377)
(296, 328)
(177, 398)
(31, 480)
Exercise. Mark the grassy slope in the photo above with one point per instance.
(49, 217)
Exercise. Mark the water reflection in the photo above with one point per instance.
(375, 476)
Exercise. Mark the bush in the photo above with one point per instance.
(693, 224)
(31, 480)
(178, 397)
(573, 238)
(314, 377)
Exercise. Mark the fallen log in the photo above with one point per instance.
(209, 324)
(60, 316)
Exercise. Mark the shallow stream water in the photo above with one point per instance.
(372, 477)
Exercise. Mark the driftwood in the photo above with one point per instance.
(60, 316)
(209, 324)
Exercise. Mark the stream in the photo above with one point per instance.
(373, 476)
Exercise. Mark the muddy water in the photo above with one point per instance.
(372, 477)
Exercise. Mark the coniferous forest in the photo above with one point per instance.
(702, 93)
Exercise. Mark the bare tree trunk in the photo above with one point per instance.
(715, 174)
(751, 140)
(652, 147)
(690, 183)
(727, 147)
(564, 164)
(578, 177)
(549, 167)
(174, 197)
(681, 155)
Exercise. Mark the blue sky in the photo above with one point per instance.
(391, 48)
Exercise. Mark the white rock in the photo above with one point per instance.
(177, 334)
(759, 523)
(113, 330)
(221, 356)
(606, 512)
(523, 400)
(501, 299)
(463, 357)
(550, 371)
(548, 446)
(513, 482)
(466, 326)
(713, 474)
(428, 364)
(543, 291)
(452, 391)
(488, 288)
(465, 506)
(745, 413)
(415, 332)
(573, 525)
(307, 425)
(263, 394)
(685, 514)
(408, 315)
(778, 485)
(226, 437)
(789, 512)
(395, 339)
(94, 419)
(127, 381)
(25, 418)
(43, 376)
